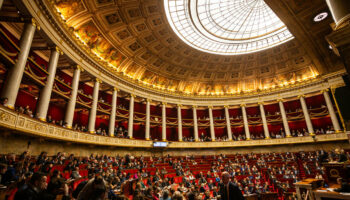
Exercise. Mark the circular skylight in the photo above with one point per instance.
(227, 27)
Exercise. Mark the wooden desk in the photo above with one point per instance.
(334, 195)
(308, 185)
(251, 197)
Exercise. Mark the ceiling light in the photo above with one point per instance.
(321, 16)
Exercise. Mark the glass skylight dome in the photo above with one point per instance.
(226, 27)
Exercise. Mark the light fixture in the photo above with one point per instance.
(321, 16)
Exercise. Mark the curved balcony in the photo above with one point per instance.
(24, 124)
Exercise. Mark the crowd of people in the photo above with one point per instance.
(187, 177)
(121, 132)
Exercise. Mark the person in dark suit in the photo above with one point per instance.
(344, 186)
(228, 190)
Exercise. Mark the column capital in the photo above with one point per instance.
(179, 105)
(149, 100)
(242, 105)
(301, 95)
(280, 100)
(35, 23)
(116, 89)
(98, 80)
(324, 90)
(210, 107)
(261, 103)
(132, 95)
(226, 106)
(164, 103)
(56, 48)
(78, 67)
(194, 106)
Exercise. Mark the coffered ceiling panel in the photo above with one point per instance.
(138, 31)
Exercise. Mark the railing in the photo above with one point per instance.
(13, 120)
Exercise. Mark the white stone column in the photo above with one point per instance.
(179, 122)
(113, 112)
(195, 123)
(340, 10)
(331, 111)
(245, 122)
(164, 121)
(93, 111)
(306, 115)
(284, 118)
(15, 74)
(228, 124)
(45, 93)
(148, 119)
(131, 116)
(73, 97)
(263, 118)
(1, 2)
(211, 121)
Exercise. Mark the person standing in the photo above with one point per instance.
(228, 190)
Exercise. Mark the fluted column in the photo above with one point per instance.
(45, 93)
(331, 111)
(284, 118)
(306, 115)
(340, 10)
(164, 121)
(113, 112)
(93, 111)
(228, 124)
(195, 123)
(148, 119)
(245, 122)
(263, 118)
(131, 116)
(73, 97)
(211, 121)
(179, 122)
(15, 74)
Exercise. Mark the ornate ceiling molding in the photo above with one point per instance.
(63, 37)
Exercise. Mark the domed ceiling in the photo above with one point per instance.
(136, 40)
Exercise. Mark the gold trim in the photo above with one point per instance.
(42, 119)
(301, 95)
(98, 80)
(10, 106)
(24, 124)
